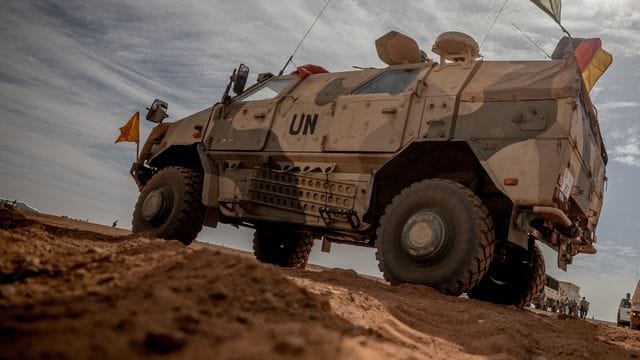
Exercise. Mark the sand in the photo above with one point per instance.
(71, 289)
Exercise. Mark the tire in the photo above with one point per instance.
(170, 206)
(437, 233)
(513, 279)
(282, 247)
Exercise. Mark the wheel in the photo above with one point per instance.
(512, 279)
(634, 326)
(170, 206)
(282, 247)
(438, 233)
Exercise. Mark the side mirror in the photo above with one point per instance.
(240, 79)
(157, 111)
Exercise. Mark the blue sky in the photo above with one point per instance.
(72, 73)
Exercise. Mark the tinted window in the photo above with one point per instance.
(269, 90)
(391, 82)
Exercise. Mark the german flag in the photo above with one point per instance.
(593, 61)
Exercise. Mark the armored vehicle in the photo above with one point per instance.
(452, 169)
(634, 318)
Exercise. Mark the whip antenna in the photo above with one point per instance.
(533, 42)
(494, 22)
(304, 37)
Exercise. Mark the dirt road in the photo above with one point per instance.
(70, 289)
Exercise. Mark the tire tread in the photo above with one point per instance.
(482, 253)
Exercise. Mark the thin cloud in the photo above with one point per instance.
(619, 105)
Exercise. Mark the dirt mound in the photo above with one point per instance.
(109, 296)
(70, 289)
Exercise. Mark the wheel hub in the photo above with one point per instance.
(154, 204)
(423, 234)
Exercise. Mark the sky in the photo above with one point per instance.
(72, 72)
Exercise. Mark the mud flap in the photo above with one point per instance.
(564, 257)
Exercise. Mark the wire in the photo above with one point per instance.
(311, 27)
(533, 42)
(305, 36)
(494, 22)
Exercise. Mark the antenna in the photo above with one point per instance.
(530, 39)
(494, 22)
(304, 37)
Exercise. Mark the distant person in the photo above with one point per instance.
(584, 308)
(115, 223)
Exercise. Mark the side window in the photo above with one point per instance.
(391, 82)
(269, 90)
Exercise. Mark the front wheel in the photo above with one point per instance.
(438, 233)
(169, 205)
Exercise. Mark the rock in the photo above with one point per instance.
(7, 291)
(218, 295)
(164, 342)
(291, 344)
(81, 272)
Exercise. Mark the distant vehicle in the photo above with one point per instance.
(18, 204)
(624, 311)
(552, 293)
(634, 321)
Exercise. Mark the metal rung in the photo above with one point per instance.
(351, 215)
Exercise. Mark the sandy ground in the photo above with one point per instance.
(70, 289)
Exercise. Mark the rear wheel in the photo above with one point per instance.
(169, 205)
(512, 279)
(438, 233)
(282, 247)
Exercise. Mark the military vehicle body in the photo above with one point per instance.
(452, 169)
(634, 318)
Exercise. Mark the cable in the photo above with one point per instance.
(305, 36)
(533, 42)
(494, 22)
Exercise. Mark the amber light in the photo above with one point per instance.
(511, 181)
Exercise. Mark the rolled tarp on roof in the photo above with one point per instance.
(524, 80)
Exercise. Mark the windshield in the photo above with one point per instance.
(391, 82)
(625, 303)
(269, 90)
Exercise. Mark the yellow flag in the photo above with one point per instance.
(131, 130)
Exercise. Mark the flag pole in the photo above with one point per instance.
(137, 150)
(565, 30)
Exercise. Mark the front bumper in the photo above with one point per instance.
(141, 173)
